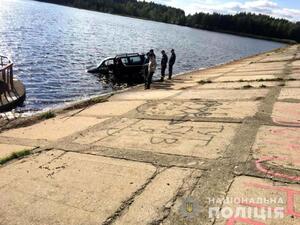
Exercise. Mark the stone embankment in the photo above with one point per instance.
(218, 146)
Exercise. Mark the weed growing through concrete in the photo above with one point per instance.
(261, 80)
(14, 155)
(205, 82)
(247, 86)
(47, 115)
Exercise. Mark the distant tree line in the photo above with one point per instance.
(134, 8)
(246, 23)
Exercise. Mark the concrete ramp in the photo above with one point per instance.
(219, 146)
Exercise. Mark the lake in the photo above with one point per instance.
(53, 45)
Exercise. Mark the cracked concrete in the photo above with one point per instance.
(166, 156)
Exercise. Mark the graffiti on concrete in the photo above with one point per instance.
(238, 220)
(288, 138)
(171, 134)
(182, 109)
(290, 195)
(280, 147)
(287, 114)
(260, 167)
(289, 205)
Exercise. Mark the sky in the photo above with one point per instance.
(288, 9)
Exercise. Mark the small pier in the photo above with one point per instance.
(12, 91)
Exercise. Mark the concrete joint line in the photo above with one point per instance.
(181, 191)
(126, 204)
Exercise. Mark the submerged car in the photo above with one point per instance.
(130, 67)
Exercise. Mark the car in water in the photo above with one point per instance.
(126, 67)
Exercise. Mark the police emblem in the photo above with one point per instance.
(190, 208)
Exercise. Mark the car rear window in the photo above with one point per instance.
(135, 60)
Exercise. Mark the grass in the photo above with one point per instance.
(247, 86)
(272, 79)
(205, 82)
(14, 155)
(47, 115)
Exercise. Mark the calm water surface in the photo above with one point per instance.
(53, 45)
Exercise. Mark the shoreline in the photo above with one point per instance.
(79, 101)
(20, 121)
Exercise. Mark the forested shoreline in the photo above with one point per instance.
(244, 23)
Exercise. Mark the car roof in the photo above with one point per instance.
(128, 55)
(108, 58)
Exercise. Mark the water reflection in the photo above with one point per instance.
(53, 45)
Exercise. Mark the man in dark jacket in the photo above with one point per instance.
(164, 62)
(171, 63)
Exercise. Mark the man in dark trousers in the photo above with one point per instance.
(164, 62)
(171, 63)
(151, 69)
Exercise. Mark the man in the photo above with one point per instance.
(151, 52)
(164, 62)
(171, 63)
(151, 69)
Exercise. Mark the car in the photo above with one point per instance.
(128, 67)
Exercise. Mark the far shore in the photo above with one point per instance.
(286, 41)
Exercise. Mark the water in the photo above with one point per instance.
(53, 45)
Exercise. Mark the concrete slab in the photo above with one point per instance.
(244, 78)
(102, 131)
(295, 75)
(53, 129)
(198, 109)
(222, 94)
(68, 189)
(296, 63)
(260, 70)
(7, 149)
(150, 205)
(237, 85)
(278, 58)
(289, 93)
(109, 109)
(265, 202)
(268, 65)
(293, 84)
(278, 146)
(144, 95)
(206, 140)
(174, 85)
(285, 113)
(255, 73)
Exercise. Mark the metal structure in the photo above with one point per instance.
(6, 72)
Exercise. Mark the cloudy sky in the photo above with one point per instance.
(288, 9)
